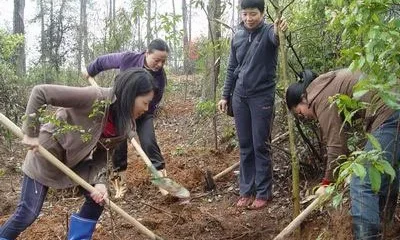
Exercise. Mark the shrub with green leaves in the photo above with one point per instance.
(12, 95)
(370, 32)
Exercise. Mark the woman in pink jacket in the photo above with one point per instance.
(93, 121)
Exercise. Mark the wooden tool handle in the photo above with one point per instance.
(145, 158)
(92, 82)
(298, 220)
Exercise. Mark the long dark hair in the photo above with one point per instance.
(297, 91)
(157, 44)
(128, 85)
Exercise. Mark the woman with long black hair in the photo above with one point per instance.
(89, 122)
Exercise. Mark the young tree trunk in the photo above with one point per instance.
(19, 28)
(83, 48)
(139, 32)
(286, 81)
(149, 36)
(50, 38)
(43, 52)
(155, 29)
(214, 34)
(59, 31)
(80, 40)
(185, 46)
(190, 22)
(233, 22)
(114, 14)
(174, 47)
(239, 18)
(50, 31)
(111, 12)
(111, 25)
(85, 32)
(185, 37)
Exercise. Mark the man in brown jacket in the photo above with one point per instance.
(309, 99)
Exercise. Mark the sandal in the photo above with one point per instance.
(244, 202)
(258, 204)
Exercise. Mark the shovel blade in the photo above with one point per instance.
(171, 187)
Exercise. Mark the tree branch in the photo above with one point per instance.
(224, 24)
(287, 6)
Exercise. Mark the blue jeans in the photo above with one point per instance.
(368, 208)
(32, 197)
(253, 120)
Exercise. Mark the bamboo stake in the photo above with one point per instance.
(77, 179)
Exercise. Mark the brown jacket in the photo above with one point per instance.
(86, 158)
(329, 84)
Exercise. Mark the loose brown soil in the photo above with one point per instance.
(187, 145)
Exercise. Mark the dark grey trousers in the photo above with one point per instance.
(148, 141)
(253, 120)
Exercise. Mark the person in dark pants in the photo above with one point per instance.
(251, 73)
(153, 59)
(309, 100)
(127, 100)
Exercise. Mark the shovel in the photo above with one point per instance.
(76, 178)
(165, 183)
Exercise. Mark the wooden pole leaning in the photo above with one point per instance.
(293, 225)
(77, 179)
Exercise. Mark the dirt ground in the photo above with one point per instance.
(187, 145)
